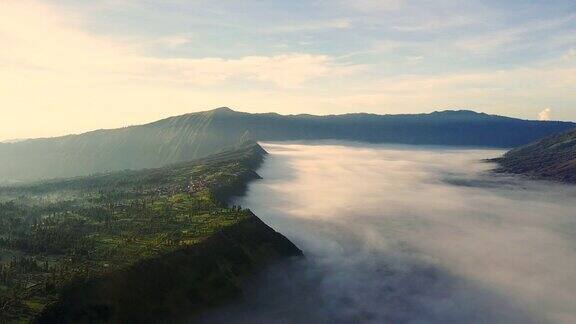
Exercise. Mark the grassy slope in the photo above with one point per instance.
(137, 147)
(132, 246)
(552, 158)
(195, 135)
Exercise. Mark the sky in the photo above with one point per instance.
(69, 66)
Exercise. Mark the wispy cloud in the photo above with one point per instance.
(120, 60)
(436, 23)
(491, 91)
(375, 5)
(340, 23)
(174, 40)
(51, 67)
(287, 70)
(570, 55)
(65, 49)
(517, 36)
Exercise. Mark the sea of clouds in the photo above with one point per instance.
(406, 234)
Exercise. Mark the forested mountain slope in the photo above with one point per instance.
(552, 158)
(142, 246)
(195, 135)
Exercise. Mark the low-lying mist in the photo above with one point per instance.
(398, 234)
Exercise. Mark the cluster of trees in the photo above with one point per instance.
(55, 232)
(22, 277)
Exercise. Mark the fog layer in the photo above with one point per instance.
(409, 235)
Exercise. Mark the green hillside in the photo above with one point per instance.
(186, 137)
(132, 246)
(552, 158)
(137, 147)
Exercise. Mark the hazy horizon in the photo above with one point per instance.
(74, 66)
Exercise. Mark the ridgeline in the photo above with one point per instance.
(196, 135)
(133, 246)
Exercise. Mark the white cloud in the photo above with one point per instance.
(545, 114)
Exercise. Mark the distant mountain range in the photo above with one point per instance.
(195, 135)
(552, 158)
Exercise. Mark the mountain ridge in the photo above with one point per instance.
(230, 110)
(194, 135)
(134, 246)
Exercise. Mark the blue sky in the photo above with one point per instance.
(110, 63)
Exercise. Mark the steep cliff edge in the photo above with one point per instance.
(142, 246)
(177, 285)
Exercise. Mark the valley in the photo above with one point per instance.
(409, 234)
